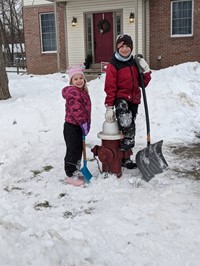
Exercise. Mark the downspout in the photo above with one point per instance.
(57, 36)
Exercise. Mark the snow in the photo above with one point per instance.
(111, 221)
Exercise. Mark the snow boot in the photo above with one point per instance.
(76, 179)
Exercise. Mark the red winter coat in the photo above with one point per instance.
(78, 105)
(123, 81)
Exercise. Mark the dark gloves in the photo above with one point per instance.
(85, 128)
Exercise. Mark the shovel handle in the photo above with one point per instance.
(144, 97)
(84, 148)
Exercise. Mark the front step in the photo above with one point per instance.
(90, 77)
(91, 74)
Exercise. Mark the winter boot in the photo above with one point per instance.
(76, 179)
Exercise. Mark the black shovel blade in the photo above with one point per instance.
(150, 161)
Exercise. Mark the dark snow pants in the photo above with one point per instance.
(126, 113)
(74, 148)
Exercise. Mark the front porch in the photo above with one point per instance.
(95, 71)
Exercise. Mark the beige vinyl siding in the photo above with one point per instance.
(76, 48)
(143, 28)
(140, 27)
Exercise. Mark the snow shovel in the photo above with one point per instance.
(150, 160)
(84, 170)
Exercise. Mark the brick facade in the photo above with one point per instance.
(38, 62)
(174, 50)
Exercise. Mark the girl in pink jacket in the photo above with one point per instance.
(77, 123)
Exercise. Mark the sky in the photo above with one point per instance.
(110, 221)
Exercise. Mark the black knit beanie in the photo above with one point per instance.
(124, 39)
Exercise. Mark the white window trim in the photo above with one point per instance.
(44, 52)
(182, 35)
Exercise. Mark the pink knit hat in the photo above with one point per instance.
(73, 70)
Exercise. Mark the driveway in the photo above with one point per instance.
(187, 160)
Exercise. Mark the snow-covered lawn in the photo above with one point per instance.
(111, 221)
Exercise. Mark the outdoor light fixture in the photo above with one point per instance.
(74, 21)
(131, 17)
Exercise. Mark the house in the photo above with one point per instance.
(174, 32)
(59, 33)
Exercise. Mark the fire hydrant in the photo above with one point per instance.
(109, 152)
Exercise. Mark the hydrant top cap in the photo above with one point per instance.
(110, 131)
(110, 128)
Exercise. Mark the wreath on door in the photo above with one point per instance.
(104, 26)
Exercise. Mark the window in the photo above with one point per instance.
(48, 32)
(181, 15)
(88, 21)
(118, 19)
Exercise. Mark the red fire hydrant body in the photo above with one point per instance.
(111, 156)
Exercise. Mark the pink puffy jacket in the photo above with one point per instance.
(78, 105)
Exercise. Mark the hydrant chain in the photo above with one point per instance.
(98, 165)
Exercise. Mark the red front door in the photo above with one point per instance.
(103, 42)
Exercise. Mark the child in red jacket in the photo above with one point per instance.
(77, 123)
(122, 88)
